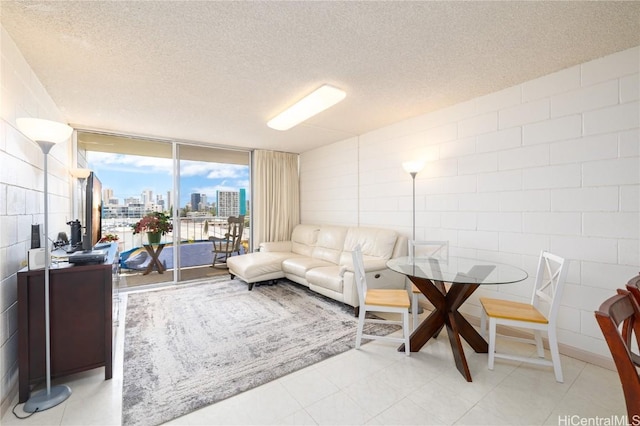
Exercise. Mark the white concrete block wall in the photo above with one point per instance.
(21, 193)
(329, 185)
(552, 163)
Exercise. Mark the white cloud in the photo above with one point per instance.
(212, 170)
(131, 163)
(148, 165)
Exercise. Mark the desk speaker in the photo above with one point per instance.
(35, 236)
(36, 259)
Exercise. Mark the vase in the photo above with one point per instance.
(154, 237)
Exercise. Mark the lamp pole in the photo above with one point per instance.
(413, 167)
(413, 178)
(46, 134)
(46, 147)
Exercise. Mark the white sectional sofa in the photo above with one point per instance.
(319, 257)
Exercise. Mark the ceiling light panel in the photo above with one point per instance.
(312, 104)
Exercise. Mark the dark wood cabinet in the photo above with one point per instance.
(83, 300)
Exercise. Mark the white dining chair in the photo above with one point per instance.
(379, 300)
(538, 315)
(424, 249)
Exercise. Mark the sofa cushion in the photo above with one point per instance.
(329, 277)
(329, 244)
(300, 265)
(377, 243)
(303, 239)
(252, 266)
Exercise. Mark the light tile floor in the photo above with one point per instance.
(376, 386)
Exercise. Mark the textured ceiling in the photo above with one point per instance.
(216, 72)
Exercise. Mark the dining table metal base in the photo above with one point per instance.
(446, 304)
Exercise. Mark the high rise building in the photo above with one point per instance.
(231, 203)
(132, 200)
(196, 200)
(228, 203)
(147, 197)
(243, 201)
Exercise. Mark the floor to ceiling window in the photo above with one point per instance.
(142, 177)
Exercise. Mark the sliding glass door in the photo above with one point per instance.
(213, 185)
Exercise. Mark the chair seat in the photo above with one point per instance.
(387, 297)
(415, 289)
(222, 245)
(509, 310)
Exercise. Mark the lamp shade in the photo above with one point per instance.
(413, 166)
(312, 104)
(38, 129)
(80, 173)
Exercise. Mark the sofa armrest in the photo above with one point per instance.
(369, 266)
(281, 246)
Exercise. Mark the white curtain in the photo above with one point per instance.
(276, 197)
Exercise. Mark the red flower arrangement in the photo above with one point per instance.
(109, 238)
(154, 223)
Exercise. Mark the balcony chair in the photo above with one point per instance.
(547, 292)
(425, 249)
(230, 243)
(379, 300)
(622, 309)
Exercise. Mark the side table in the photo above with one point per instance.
(154, 251)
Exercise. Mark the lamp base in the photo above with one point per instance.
(44, 400)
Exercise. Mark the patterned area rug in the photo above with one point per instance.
(192, 346)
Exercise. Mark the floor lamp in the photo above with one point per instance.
(46, 134)
(81, 175)
(413, 168)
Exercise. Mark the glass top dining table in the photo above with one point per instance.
(464, 276)
(459, 270)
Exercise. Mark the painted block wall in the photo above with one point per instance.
(550, 164)
(21, 193)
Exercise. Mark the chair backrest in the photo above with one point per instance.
(236, 227)
(233, 236)
(616, 310)
(358, 270)
(550, 277)
(634, 287)
(429, 249)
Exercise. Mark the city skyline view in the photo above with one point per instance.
(128, 176)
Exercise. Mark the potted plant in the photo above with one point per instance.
(155, 224)
(108, 238)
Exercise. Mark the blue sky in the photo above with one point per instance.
(130, 175)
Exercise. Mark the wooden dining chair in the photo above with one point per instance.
(424, 249)
(634, 287)
(538, 315)
(619, 320)
(379, 300)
